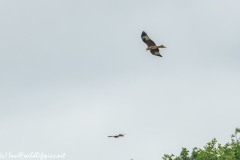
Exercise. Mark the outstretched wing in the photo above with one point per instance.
(156, 52)
(114, 136)
(147, 40)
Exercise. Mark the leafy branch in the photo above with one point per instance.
(212, 151)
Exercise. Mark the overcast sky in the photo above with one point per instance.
(73, 72)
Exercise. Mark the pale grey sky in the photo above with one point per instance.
(73, 72)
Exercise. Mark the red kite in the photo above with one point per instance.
(151, 45)
(120, 135)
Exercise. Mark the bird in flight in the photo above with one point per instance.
(151, 45)
(116, 136)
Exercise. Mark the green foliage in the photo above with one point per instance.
(212, 151)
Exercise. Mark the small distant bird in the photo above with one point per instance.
(116, 136)
(151, 45)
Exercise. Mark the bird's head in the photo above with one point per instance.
(149, 48)
(121, 135)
